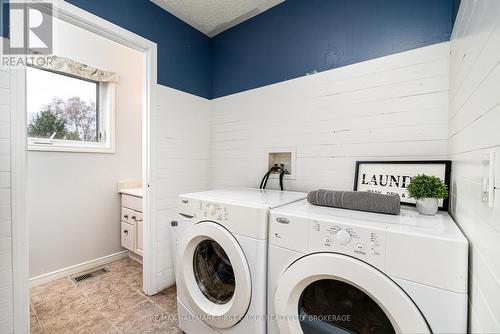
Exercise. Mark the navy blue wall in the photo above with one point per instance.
(301, 36)
(456, 7)
(285, 42)
(4, 18)
(183, 52)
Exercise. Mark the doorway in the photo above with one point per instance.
(71, 15)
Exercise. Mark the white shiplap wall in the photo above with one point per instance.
(393, 107)
(474, 119)
(182, 163)
(6, 308)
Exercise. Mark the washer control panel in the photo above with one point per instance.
(211, 210)
(364, 242)
(247, 221)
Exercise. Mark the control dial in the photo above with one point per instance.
(343, 237)
(211, 209)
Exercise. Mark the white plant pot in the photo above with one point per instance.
(427, 206)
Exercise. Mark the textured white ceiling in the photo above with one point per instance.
(214, 16)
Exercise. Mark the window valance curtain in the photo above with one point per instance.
(74, 68)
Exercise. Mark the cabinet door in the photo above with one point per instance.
(138, 242)
(128, 236)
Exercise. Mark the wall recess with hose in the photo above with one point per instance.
(280, 164)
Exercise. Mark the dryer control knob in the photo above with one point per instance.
(343, 237)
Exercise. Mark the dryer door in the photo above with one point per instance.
(334, 293)
(214, 275)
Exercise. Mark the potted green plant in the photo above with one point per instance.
(427, 190)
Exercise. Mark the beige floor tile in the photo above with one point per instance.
(101, 287)
(123, 265)
(35, 326)
(166, 300)
(101, 326)
(71, 318)
(110, 303)
(126, 271)
(150, 324)
(50, 291)
(33, 317)
(132, 273)
(171, 291)
(37, 329)
(64, 303)
(127, 319)
(113, 304)
(134, 279)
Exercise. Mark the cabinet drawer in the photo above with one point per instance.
(128, 236)
(132, 202)
(131, 216)
(127, 215)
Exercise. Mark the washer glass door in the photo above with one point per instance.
(334, 293)
(213, 272)
(332, 306)
(213, 275)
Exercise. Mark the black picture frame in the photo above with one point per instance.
(447, 174)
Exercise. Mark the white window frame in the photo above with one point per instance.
(105, 105)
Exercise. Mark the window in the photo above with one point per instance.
(68, 113)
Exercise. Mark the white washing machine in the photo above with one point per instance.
(343, 271)
(221, 269)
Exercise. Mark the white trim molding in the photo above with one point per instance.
(52, 276)
(19, 175)
(95, 24)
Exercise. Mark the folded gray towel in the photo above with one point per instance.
(356, 200)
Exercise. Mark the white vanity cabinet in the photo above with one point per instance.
(132, 220)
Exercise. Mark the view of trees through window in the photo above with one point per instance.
(61, 106)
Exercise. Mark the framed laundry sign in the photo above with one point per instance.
(393, 177)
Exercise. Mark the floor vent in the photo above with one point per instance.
(88, 275)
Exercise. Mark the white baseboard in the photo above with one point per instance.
(45, 278)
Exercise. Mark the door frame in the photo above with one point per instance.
(20, 245)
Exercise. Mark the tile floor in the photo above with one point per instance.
(110, 303)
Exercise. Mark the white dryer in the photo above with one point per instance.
(221, 269)
(343, 271)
